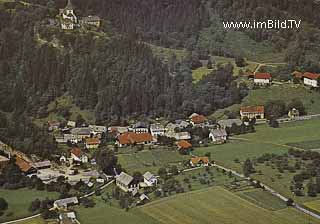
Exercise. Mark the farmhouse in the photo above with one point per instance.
(198, 120)
(25, 166)
(92, 143)
(199, 161)
(126, 182)
(131, 138)
(65, 203)
(78, 156)
(42, 165)
(4, 161)
(81, 133)
(140, 127)
(150, 179)
(118, 130)
(251, 112)
(156, 130)
(218, 135)
(229, 122)
(184, 145)
(311, 79)
(68, 217)
(262, 78)
(96, 129)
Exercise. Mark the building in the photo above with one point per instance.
(126, 182)
(78, 156)
(25, 166)
(4, 161)
(218, 135)
(311, 79)
(229, 122)
(293, 113)
(65, 203)
(150, 179)
(81, 133)
(53, 125)
(262, 78)
(140, 127)
(251, 112)
(96, 129)
(118, 130)
(71, 124)
(198, 120)
(131, 138)
(42, 165)
(199, 161)
(92, 21)
(184, 145)
(68, 19)
(182, 135)
(68, 217)
(92, 143)
(156, 130)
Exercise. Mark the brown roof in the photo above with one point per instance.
(252, 109)
(262, 76)
(76, 151)
(198, 119)
(131, 138)
(183, 144)
(297, 74)
(310, 75)
(196, 160)
(23, 165)
(92, 141)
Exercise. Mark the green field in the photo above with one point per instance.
(150, 160)
(315, 205)
(307, 145)
(37, 220)
(216, 205)
(20, 200)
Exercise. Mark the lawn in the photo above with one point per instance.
(315, 205)
(217, 205)
(37, 220)
(307, 145)
(151, 160)
(20, 200)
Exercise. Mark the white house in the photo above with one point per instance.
(218, 135)
(311, 79)
(126, 183)
(81, 133)
(71, 124)
(68, 18)
(262, 78)
(156, 130)
(149, 179)
(140, 127)
(78, 156)
(92, 143)
(96, 129)
(65, 203)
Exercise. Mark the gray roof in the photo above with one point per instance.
(45, 163)
(229, 122)
(156, 126)
(219, 132)
(140, 125)
(81, 131)
(148, 175)
(124, 178)
(66, 201)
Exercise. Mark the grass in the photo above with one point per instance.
(199, 73)
(217, 205)
(263, 199)
(165, 53)
(307, 145)
(20, 200)
(150, 160)
(314, 205)
(37, 220)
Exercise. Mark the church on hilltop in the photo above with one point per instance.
(69, 20)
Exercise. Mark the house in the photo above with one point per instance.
(199, 161)
(150, 179)
(81, 133)
(92, 143)
(140, 127)
(71, 124)
(42, 165)
(198, 120)
(63, 159)
(68, 217)
(262, 78)
(92, 21)
(181, 124)
(251, 112)
(229, 122)
(293, 113)
(218, 135)
(184, 145)
(297, 74)
(68, 19)
(65, 203)
(78, 156)
(156, 130)
(4, 161)
(25, 166)
(53, 125)
(118, 130)
(131, 138)
(126, 183)
(96, 129)
(182, 135)
(311, 79)
(75, 139)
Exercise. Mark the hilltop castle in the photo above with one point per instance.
(69, 20)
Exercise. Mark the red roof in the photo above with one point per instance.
(183, 144)
(297, 74)
(196, 160)
(23, 165)
(76, 151)
(198, 119)
(262, 76)
(310, 75)
(131, 138)
(252, 109)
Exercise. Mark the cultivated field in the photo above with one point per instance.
(20, 200)
(215, 205)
